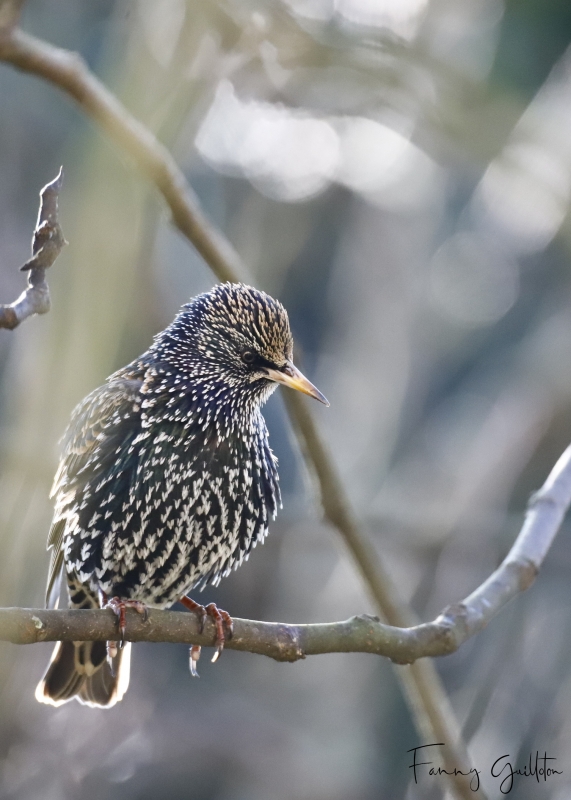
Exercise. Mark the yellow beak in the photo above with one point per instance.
(292, 377)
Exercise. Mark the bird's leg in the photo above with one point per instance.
(199, 609)
(118, 607)
(194, 651)
(224, 628)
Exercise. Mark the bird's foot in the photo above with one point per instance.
(224, 628)
(119, 607)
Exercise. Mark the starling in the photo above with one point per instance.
(167, 480)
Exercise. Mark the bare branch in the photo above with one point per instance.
(362, 634)
(282, 642)
(47, 244)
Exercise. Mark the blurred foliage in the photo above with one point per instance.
(399, 174)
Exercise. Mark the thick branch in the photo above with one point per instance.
(363, 634)
(47, 244)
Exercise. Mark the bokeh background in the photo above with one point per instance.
(398, 173)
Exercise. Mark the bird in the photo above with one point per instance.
(166, 479)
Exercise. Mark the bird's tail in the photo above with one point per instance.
(81, 670)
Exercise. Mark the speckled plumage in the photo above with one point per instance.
(167, 480)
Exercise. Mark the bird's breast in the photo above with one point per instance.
(178, 508)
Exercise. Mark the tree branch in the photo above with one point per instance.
(362, 634)
(47, 244)
(282, 642)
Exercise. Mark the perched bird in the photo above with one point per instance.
(167, 480)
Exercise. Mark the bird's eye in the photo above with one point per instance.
(248, 356)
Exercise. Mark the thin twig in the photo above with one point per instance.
(47, 244)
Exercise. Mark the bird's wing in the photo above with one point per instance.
(99, 421)
(95, 421)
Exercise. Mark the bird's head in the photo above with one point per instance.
(238, 338)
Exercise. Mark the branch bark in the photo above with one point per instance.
(282, 642)
(47, 244)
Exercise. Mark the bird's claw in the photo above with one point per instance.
(222, 621)
(224, 627)
(193, 656)
(119, 607)
(111, 654)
